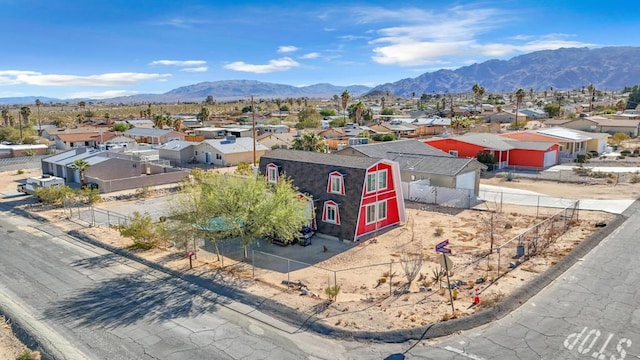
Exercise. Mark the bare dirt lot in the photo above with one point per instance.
(373, 287)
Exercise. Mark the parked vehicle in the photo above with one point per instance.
(37, 182)
(303, 238)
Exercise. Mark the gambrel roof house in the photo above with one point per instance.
(354, 197)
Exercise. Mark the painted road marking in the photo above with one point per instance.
(461, 352)
(585, 345)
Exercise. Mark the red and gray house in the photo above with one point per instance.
(353, 197)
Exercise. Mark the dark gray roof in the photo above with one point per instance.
(437, 165)
(388, 149)
(358, 162)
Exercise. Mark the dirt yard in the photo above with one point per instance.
(10, 346)
(373, 293)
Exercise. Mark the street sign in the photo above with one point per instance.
(444, 251)
(442, 245)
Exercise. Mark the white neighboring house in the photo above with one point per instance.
(228, 152)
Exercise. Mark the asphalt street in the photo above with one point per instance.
(85, 303)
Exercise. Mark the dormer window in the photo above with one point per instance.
(336, 183)
(273, 173)
(331, 213)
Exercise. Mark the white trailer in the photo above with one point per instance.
(37, 182)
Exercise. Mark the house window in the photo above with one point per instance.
(371, 182)
(272, 173)
(381, 214)
(218, 157)
(453, 152)
(382, 179)
(382, 210)
(330, 213)
(336, 183)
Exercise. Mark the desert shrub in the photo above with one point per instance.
(88, 196)
(635, 179)
(143, 192)
(20, 172)
(332, 292)
(53, 195)
(141, 230)
(439, 231)
(244, 169)
(625, 152)
(581, 158)
(29, 355)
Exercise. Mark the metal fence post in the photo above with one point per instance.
(498, 250)
(288, 267)
(253, 264)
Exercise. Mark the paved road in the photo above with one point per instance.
(87, 303)
(590, 312)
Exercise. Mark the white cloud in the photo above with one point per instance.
(287, 49)
(179, 22)
(102, 94)
(311, 55)
(195, 69)
(179, 62)
(15, 77)
(456, 34)
(281, 64)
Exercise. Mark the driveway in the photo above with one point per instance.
(530, 198)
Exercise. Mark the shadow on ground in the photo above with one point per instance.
(127, 299)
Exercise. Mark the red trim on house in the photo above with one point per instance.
(277, 177)
(333, 175)
(327, 204)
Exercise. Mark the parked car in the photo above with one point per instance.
(303, 238)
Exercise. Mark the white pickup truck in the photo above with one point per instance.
(36, 182)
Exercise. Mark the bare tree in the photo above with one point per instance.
(411, 265)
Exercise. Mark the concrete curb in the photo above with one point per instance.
(313, 323)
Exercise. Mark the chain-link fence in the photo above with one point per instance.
(92, 215)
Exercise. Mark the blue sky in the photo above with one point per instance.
(106, 48)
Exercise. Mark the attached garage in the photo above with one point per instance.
(550, 158)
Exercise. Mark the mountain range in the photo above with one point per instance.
(607, 68)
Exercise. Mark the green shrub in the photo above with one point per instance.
(439, 231)
(141, 230)
(635, 179)
(54, 195)
(20, 172)
(88, 196)
(332, 292)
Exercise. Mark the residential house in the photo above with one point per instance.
(211, 132)
(398, 128)
(420, 161)
(120, 142)
(110, 170)
(272, 129)
(94, 139)
(153, 136)
(20, 150)
(229, 152)
(506, 151)
(573, 142)
(277, 141)
(178, 151)
(602, 125)
(355, 197)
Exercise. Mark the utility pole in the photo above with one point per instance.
(253, 121)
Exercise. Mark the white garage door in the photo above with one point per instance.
(550, 158)
(466, 181)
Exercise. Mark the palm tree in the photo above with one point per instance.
(592, 94)
(107, 118)
(519, 97)
(5, 116)
(38, 103)
(25, 112)
(478, 91)
(177, 124)
(80, 166)
(309, 141)
(359, 109)
(279, 104)
(345, 101)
